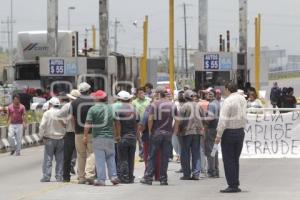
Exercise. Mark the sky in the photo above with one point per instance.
(280, 24)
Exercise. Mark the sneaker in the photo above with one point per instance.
(231, 190)
(18, 154)
(12, 152)
(185, 178)
(145, 182)
(81, 181)
(90, 181)
(203, 175)
(66, 180)
(44, 180)
(115, 181)
(195, 178)
(164, 183)
(73, 171)
(99, 183)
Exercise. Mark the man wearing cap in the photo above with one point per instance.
(232, 121)
(126, 122)
(85, 156)
(52, 131)
(140, 104)
(100, 119)
(212, 123)
(186, 87)
(148, 89)
(69, 139)
(189, 127)
(219, 96)
(160, 125)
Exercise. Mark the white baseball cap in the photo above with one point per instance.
(123, 95)
(45, 106)
(74, 94)
(54, 101)
(84, 87)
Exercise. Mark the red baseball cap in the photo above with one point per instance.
(218, 91)
(99, 94)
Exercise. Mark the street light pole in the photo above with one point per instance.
(69, 17)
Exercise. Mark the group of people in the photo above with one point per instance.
(282, 98)
(105, 135)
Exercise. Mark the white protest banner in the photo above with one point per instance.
(272, 135)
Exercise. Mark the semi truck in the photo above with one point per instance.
(35, 69)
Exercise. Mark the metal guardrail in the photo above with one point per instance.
(30, 137)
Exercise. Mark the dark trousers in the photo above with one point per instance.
(158, 142)
(117, 159)
(232, 145)
(212, 162)
(69, 147)
(141, 150)
(157, 163)
(126, 150)
(190, 146)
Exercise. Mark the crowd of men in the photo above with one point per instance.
(282, 98)
(105, 135)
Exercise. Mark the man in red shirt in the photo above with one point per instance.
(16, 123)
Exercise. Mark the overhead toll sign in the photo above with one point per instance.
(51, 66)
(56, 66)
(215, 61)
(211, 61)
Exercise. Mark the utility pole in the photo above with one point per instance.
(9, 51)
(116, 35)
(52, 30)
(145, 53)
(257, 51)
(103, 26)
(94, 36)
(69, 16)
(243, 36)
(11, 31)
(203, 25)
(177, 55)
(171, 44)
(10, 34)
(185, 41)
(182, 62)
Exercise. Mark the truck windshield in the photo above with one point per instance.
(27, 72)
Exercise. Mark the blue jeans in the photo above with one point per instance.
(190, 145)
(203, 158)
(15, 133)
(158, 142)
(176, 145)
(104, 149)
(53, 148)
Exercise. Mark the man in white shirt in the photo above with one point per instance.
(230, 132)
(52, 131)
(69, 139)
